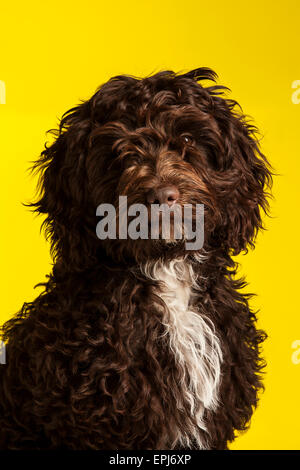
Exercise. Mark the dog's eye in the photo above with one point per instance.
(187, 139)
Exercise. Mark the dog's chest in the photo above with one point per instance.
(191, 339)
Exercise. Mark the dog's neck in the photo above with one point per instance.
(177, 280)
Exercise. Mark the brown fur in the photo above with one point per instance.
(88, 364)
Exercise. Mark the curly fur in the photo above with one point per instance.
(139, 344)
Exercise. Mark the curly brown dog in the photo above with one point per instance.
(140, 343)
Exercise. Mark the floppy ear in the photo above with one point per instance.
(63, 189)
(69, 170)
(244, 179)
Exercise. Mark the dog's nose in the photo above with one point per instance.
(163, 195)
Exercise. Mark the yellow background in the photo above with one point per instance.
(55, 53)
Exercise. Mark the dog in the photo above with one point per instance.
(141, 343)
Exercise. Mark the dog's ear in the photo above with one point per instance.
(244, 178)
(62, 187)
(71, 172)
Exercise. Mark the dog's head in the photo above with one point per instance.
(165, 138)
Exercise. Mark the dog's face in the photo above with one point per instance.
(164, 139)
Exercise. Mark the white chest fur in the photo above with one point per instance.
(192, 340)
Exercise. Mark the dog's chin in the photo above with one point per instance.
(163, 250)
(170, 241)
(141, 251)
